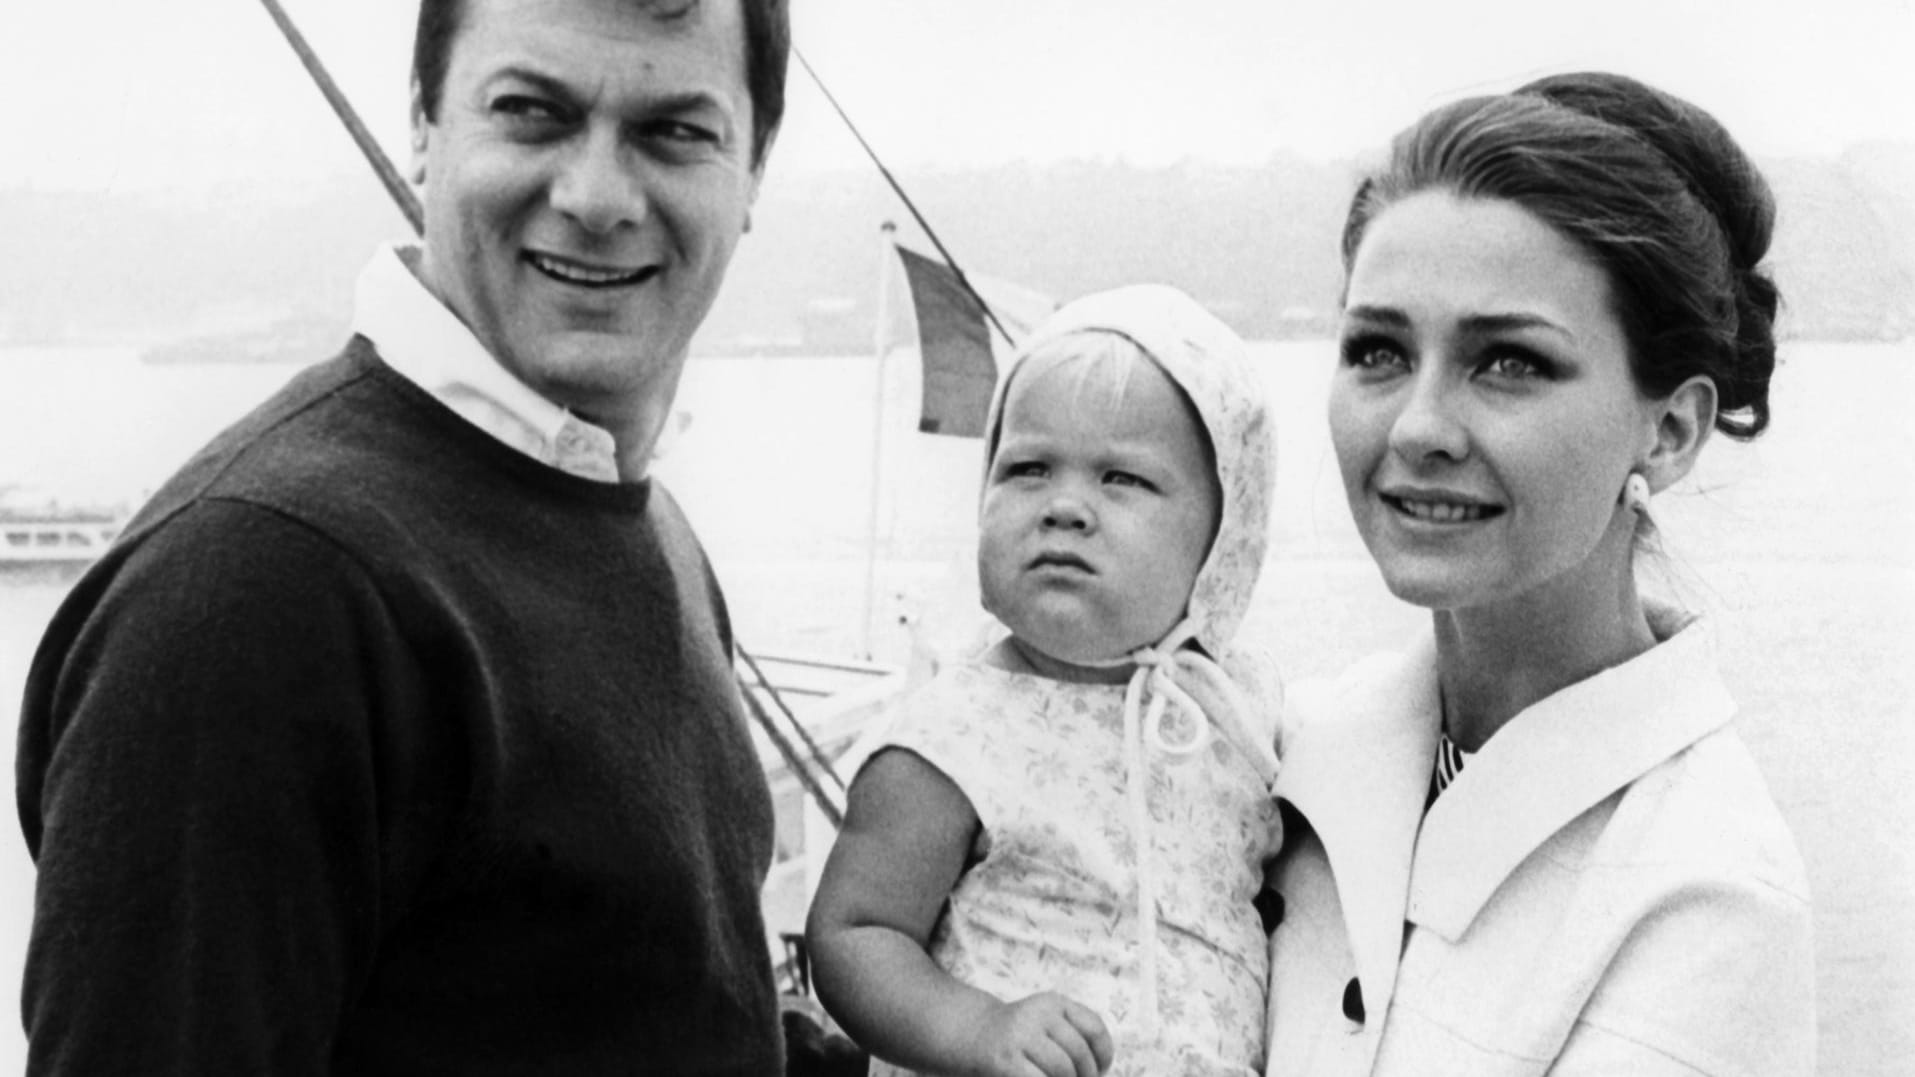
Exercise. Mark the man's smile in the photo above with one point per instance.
(581, 274)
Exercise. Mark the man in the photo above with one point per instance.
(398, 733)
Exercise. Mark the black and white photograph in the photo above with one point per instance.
(1004, 537)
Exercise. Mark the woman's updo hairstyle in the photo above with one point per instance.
(1651, 187)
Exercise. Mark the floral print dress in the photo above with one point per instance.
(1072, 782)
(1052, 906)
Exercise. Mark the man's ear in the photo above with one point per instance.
(416, 170)
(1683, 422)
(758, 175)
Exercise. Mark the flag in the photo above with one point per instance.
(955, 340)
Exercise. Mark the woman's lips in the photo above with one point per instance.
(1440, 509)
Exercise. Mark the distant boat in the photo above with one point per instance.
(50, 533)
(290, 340)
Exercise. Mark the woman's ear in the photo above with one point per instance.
(1683, 422)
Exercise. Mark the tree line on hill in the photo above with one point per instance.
(1257, 244)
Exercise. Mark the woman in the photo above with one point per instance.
(1552, 298)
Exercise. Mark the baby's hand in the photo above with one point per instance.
(1044, 1035)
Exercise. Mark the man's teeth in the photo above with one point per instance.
(583, 275)
(1442, 512)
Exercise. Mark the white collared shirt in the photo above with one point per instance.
(421, 339)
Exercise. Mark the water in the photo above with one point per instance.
(1798, 545)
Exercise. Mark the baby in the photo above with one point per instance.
(1050, 865)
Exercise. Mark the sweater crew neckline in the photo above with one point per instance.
(363, 358)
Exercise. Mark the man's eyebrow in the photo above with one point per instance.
(674, 102)
(686, 101)
(535, 77)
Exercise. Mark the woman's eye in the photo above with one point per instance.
(1373, 353)
(1513, 366)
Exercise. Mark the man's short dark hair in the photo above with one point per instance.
(767, 54)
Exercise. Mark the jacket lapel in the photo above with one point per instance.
(1358, 768)
(1553, 762)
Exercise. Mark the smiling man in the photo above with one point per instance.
(398, 732)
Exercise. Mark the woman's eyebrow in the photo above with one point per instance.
(1504, 323)
(1389, 316)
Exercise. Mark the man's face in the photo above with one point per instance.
(588, 176)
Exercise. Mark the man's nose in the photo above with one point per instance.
(599, 185)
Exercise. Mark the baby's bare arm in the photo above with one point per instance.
(907, 832)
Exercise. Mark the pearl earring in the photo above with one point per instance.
(1635, 493)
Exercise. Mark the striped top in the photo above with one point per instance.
(1449, 763)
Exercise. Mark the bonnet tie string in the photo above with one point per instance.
(1158, 671)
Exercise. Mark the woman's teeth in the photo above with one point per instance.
(1442, 512)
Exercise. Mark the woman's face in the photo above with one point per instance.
(1483, 411)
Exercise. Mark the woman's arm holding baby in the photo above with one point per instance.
(908, 831)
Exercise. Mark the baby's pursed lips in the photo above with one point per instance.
(1063, 558)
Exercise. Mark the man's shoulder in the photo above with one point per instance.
(328, 438)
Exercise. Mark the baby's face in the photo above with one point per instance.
(1099, 508)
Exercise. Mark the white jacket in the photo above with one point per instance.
(1606, 888)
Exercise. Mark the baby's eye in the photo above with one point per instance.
(1125, 478)
(1024, 469)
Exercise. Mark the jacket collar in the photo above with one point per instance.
(1357, 766)
(1553, 762)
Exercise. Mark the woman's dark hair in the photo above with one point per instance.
(767, 54)
(1648, 185)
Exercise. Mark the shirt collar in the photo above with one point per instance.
(426, 343)
(1556, 760)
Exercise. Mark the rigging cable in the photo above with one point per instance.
(905, 198)
(381, 164)
(408, 204)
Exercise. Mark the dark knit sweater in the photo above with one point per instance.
(377, 747)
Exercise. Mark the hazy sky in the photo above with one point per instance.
(186, 95)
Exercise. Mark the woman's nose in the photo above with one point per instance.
(1429, 423)
(598, 184)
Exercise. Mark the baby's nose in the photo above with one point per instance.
(1067, 513)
